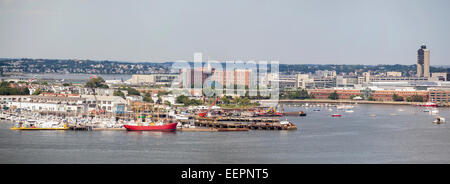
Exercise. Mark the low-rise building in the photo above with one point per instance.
(394, 74)
(386, 95)
(342, 93)
(440, 97)
(108, 104)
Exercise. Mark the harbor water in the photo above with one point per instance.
(371, 134)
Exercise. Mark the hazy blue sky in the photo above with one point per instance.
(301, 32)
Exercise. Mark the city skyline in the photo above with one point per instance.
(306, 32)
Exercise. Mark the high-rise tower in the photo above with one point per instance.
(423, 62)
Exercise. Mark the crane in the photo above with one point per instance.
(203, 114)
(95, 97)
(30, 81)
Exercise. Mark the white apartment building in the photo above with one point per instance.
(108, 104)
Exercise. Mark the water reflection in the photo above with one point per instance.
(409, 137)
(153, 134)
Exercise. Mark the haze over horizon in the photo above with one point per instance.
(293, 32)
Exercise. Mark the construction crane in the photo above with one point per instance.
(94, 112)
(30, 81)
(203, 114)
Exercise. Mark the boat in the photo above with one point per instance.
(33, 125)
(150, 126)
(180, 117)
(163, 127)
(344, 107)
(265, 114)
(316, 109)
(285, 122)
(372, 115)
(428, 104)
(301, 113)
(434, 111)
(336, 115)
(349, 111)
(439, 120)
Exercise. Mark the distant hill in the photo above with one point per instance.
(27, 65)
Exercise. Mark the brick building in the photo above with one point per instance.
(342, 93)
(440, 97)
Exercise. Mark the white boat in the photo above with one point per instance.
(180, 117)
(434, 111)
(349, 111)
(285, 122)
(439, 120)
(344, 107)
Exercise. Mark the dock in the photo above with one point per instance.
(81, 128)
(242, 126)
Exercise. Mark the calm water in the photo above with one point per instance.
(409, 137)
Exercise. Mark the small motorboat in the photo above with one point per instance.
(301, 113)
(439, 120)
(349, 111)
(434, 111)
(316, 109)
(336, 115)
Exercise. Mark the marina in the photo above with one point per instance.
(320, 138)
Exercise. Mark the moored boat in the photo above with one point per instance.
(31, 126)
(301, 113)
(164, 127)
(428, 104)
(336, 115)
(439, 120)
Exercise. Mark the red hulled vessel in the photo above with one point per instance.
(165, 127)
(428, 104)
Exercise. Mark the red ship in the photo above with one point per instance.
(336, 115)
(428, 104)
(165, 127)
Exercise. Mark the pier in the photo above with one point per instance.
(244, 123)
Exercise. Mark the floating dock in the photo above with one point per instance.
(251, 125)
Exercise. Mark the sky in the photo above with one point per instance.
(291, 32)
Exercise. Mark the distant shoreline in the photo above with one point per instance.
(343, 101)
